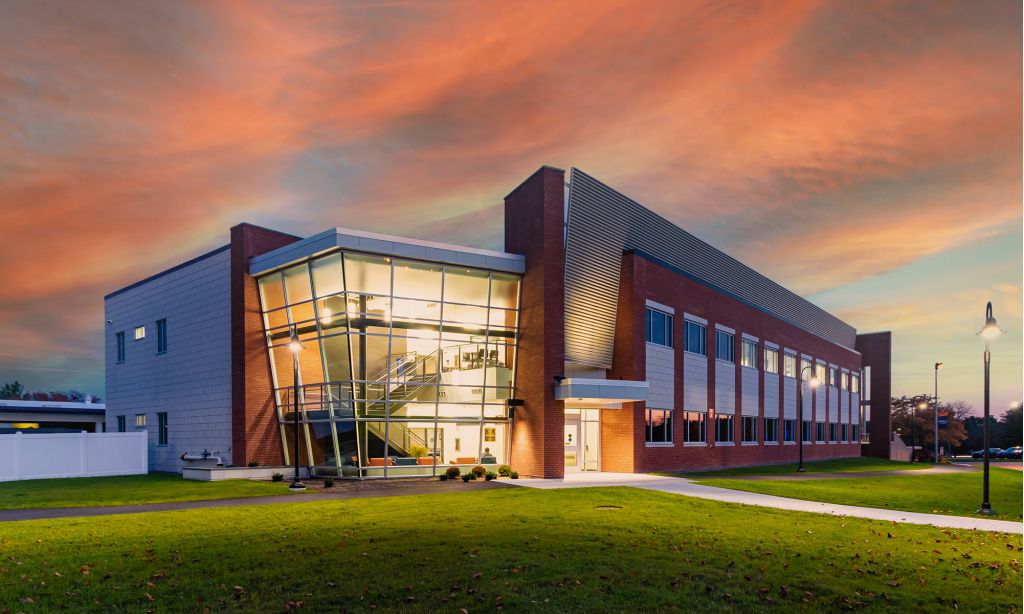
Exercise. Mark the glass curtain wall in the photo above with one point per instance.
(406, 366)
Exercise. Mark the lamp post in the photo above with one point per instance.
(295, 345)
(935, 407)
(813, 382)
(989, 332)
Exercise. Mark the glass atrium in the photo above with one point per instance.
(406, 366)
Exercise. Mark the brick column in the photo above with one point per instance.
(535, 227)
(255, 435)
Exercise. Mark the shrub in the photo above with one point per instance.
(443, 476)
(479, 471)
(277, 477)
(418, 451)
(504, 471)
(253, 464)
(515, 475)
(491, 475)
(467, 477)
(452, 472)
(328, 482)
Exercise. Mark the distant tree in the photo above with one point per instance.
(38, 395)
(975, 433)
(1010, 424)
(910, 421)
(12, 390)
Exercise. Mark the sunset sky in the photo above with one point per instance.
(865, 154)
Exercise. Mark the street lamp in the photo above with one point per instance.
(295, 345)
(989, 333)
(935, 405)
(813, 382)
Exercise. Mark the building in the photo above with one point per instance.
(602, 338)
(51, 416)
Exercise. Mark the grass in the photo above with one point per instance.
(958, 494)
(126, 490)
(599, 549)
(837, 465)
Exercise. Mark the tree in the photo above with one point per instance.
(914, 424)
(1010, 424)
(975, 433)
(12, 390)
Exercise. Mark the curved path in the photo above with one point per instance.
(788, 477)
(685, 487)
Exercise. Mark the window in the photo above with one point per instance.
(855, 385)
(659, 327)
(724, 343)
(694, 430)
(789, 430)
(161, 336)
(749, 429)
(845, 432)
(161, 429)
(140, 332)
(844, 382)
(696, 341)
(789, 365)
(748, 354)
(820, 371)
(771, 360)
(122, 425)
(833, 432)
(140, 420)
(805, 373)
(865, 437)
(833, 377)
(819, 431)
(723, 429)
(119, 342)
(659, 426)
(807, 431)
(771, 430)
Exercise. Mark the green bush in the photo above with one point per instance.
(443, 476)
(328, 482)
(253, 464)
(491, 475)
(504, 471)
(277, 477)
(479, 471)
(515, 475)
(452, 472)
(467, 477)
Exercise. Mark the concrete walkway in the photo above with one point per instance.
(794, 476)
(685, 487)
(422, 488)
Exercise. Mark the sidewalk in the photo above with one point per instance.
(685, 487)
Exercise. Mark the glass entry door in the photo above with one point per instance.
(582, 440)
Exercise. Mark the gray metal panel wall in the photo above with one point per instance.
(602, 224)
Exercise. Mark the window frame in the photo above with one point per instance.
(789, 368)
(729, 421)
(701, 418)
(161, 428)
(139, 333)
(748, 356)
(819, 432)
(773, 431)
(745, 422)
(161, 336)
(807, 431)
(649, 427)
(789, 430)
(719, 346)
(140, 421)
(119, 345)
(666, 326)
(689, 327)
(122, 423)
(771, 366)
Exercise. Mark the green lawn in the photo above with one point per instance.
(838, 465)
(958, 494)
(610, 549)
(126, 490)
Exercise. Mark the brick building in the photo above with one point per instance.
(603, 338)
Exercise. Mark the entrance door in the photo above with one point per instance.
(572, 443)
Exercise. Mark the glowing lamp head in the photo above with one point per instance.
(922, 405)
(325, 315)
(991, 330)
(814, 381)
(295, 345)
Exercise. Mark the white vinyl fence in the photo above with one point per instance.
(33, 456)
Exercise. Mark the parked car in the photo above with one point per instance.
(1010, 453)
(981, 453)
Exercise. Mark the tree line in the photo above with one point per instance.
(15, 391)
(963, 434)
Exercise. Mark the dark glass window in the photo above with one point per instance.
(749, 429)
(122, 424)
(808, 430)
(659, 327)
(161, 430)
(819, 431)
(789, 430)
(696, 341)
(695, 427)
(771, 430)
(833, 431)
(659, 426)
(119, 342)
(724, 346)
(161, 336)
(724, 429)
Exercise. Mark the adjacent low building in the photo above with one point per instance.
(29, 416)
(603, 338)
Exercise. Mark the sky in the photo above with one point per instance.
(867, 155)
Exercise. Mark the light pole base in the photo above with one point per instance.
(296, 487)
(801, 469)
(986, 511)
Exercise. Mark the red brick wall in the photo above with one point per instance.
(877, 351)
(622, 430)
(534, 219)
(652, 281)
(255, 434)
